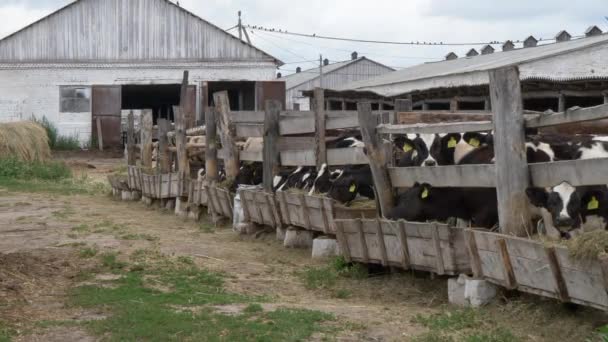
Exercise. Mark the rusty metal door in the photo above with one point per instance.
(191, 106)
(269, 90)
(107, 105)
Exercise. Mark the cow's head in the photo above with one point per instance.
(567, 205)
(344, 189)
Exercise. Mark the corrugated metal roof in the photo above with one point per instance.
(402, 81)
(294, 80)
(111, 30)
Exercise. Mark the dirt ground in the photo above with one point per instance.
(40, 235)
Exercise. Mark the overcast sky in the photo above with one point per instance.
(395, 20)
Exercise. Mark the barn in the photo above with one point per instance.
(330, 75)
(96, 59)
(569, 72)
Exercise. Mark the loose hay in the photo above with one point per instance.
(27, 141)
(588, 246)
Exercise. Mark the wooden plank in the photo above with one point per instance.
(378, 158)
(480, 176)
(245, 203)
(319, 108)
(305, 212)
(146, 139)
(457, 127)
(572, 115)
(131, 158)
(298, 158)
(401, 105)
(296, 125)
(164, 163)
(362, 240)
(408, 117)
(512, 176)
(603, 261)
(556, 271)
(509, 274)
(342, 240)
(211, 167)
(295, 143)
(254, 156)
(438, 253)
(286, 217)
(183, 162)
(227, 135)
(245, 116)
(328, 206)
(381, 243)
(249, 130)
(402, 234)
(576, 172)
(272, 156)
(271, 209)
(473, 253)
(347, 156)
(99, 134)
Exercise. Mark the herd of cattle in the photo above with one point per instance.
(566, 210)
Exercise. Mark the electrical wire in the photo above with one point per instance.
(282, 48)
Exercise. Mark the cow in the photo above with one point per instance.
(353, 181)
(249, 174)
(572, 209)
(422, 202)
(325, 179)
(347, 142)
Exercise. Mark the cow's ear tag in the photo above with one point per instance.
(474, 142)
(593, 204)
(425, 193)
(407, 147)
(452, 143)
(353, 188)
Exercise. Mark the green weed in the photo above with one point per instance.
(253, 308)
(14, 168)
(110, 262)
(88, 252)
(5, 332)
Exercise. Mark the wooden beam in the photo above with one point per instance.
(473, 253)
(211, 167)
(453, 105)
(377, 157)
(509, 274)
(561, 105)
(572, 115)
(272, 156)
(164, 164)
(227, 134)
(99, 134)
(401, 105)
(146, 139)
(481, 176)
(512, 177)
(131, 158)
(605, 97)
(556, 271)
(451, 127)
(320, 147)
(249, 130)
(575, 172)
(183, 162)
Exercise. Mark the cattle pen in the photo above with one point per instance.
(298, 138)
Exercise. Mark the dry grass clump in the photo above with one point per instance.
(362, 204)
(588, 246)
(27, 141)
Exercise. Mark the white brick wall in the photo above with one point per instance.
(34, 91)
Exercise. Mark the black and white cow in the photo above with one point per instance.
(353, 181)
(573, 209)
(249, 174)
(422, 202)
(325, 179)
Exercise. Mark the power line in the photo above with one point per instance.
(285, 49)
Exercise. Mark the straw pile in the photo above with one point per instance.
(589, 245)
(25, 140)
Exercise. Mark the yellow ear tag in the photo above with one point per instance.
(474, 142)
(594, 204)
(407, 148)
(425, 193)
(353, 188)
(452, 143)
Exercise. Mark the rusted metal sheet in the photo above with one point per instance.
(270, 90)
(107, 103)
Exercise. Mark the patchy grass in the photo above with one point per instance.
(327, 277)
(207, 228)
(110, 261)
(13, 168)
(172, 300)
(146, 237)
(87, 253)
(5, 332)
(69, 186)
(66, 143)
(64, 213)
(81, 228)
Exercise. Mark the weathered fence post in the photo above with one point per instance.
(164, 164)
(319, 108)
(272, 156)
(146, 139)
(401, 106)
(512, 177)
(131, 160)
(227, 134)
(211, 169)
(377, 156)
(183, 163)
(99, 134)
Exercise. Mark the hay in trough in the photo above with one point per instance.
(588, 246)
(362, 204)
(27, 141)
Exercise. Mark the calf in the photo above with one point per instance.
(427, 149)
(249, 174)
(353, 181)
(324, 180)
(346, 142)
(573, 209)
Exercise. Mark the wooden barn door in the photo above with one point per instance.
(107, 105)
(269, 90)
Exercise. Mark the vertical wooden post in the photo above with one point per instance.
(605, 97)
(146, 138)
(512, 177)
(99, 134)
(227, 134)
(487, 106)
(183, 165)
(561, 106)
(343, 105)
(164, 164)
(453, 104)
(377, 155)
(320, 148)
(131, 140)
(401, 106)
(272, 156)
(211, 168)
(425, 106)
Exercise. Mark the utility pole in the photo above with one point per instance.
(243, 30)
(321, 70)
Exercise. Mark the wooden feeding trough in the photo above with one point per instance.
(134, 177)
(197, 193)
(428, 247)
(316, 213)
(162, 186)
(531, 266)
(260, 207)
(219, 201)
